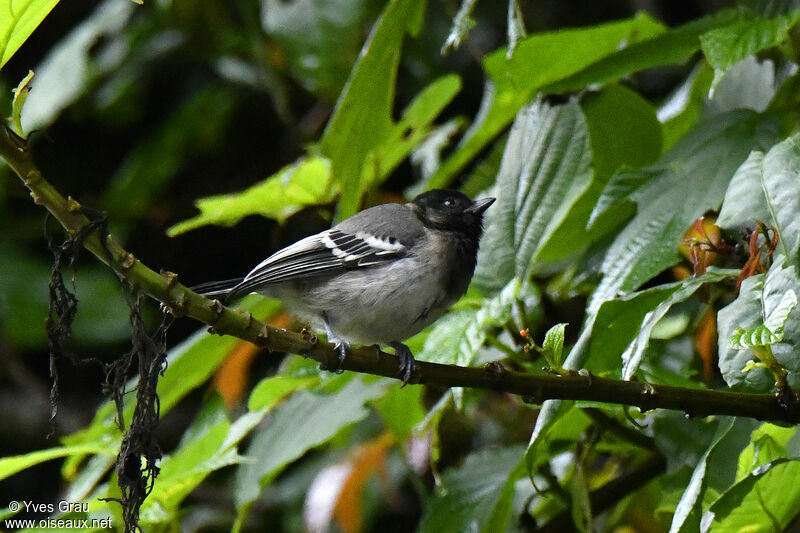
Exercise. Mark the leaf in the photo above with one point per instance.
(649, 243)
(771, 331)
(366, 102)
(272, 390)
(768, 443)
(209, 448)
(295, 186)
(478, 495)
(689, 510)
(744, 202)
(553, 345)
(750, 33)
(20, 95)
(766, 500)
(458, 336)
(748, 84)
(319, 38)
(300, 423)
(624, 326)
(760, 297)
(546, 166)
(673, 47)
(17, 463)
(538, 60)
(18, 21)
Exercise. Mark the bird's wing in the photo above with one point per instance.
(329, 252)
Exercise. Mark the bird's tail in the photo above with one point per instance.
(217, 289)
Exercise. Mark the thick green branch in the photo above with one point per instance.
(164, 287)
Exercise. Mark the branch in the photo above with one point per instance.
(165, 288)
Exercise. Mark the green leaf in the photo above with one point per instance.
(18, 21)
(295, 186)
(553, 345)
(668, 202)
(624, 326)
(302, 422)
(546, 166)
(272, 390)
(748, 84)
(768, 443)
(765, 188)
(538, 60)
(760, 297)
(20, 95)
(401, 409)
(319, 38)
(13, 464)
(673, 47)
(208, 448)
(750, 33)
(458, 336)
(689, 510)
(766, 500)
(478, 496)
(367, 100)
(771, 331)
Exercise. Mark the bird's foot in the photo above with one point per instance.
(341, 345)
(407, 363)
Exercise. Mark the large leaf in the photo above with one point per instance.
(749, 34)
(766, 188)
(478, 496)
(760, 297)
(546, 166)
(363, 115)
(18, 21)
(538, 60)
(766, 500)
(686, 182)
(304, 421)
(624, 326)
(690, 508)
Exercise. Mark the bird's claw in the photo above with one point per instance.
(407, 363)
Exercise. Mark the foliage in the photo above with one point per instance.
(639, 234)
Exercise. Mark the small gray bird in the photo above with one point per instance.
(378, 277)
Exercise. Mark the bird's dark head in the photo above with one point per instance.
(451, 210)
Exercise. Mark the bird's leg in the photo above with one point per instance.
(407, 363)
(340, 344)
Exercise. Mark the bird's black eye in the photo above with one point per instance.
(449, 202)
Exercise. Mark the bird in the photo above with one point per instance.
(377, 277)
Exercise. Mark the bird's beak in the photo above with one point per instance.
(479, 206)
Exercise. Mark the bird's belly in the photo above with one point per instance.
(364, 310)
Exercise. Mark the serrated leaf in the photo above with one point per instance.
(478, 496)
(546, 166)
(295, 186)
(553, 345)
(751, 33)
(765, 186)
(759, 296)
(649, 243)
